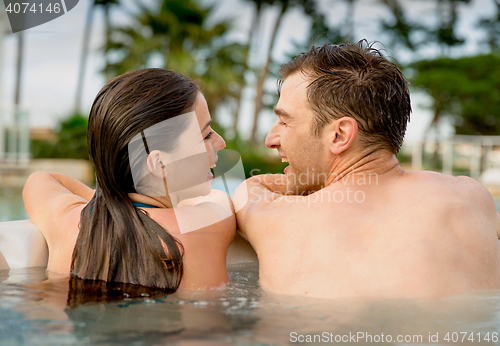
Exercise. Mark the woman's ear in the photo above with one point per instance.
(155, 165)
(342, 134)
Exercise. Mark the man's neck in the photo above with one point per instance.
(381, 163)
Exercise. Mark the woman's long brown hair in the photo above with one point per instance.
(117, 241)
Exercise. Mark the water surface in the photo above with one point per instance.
(34, 311)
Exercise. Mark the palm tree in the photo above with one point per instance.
(259, 87)
(252, 36)
(318, 31)
(349, 20)
(3, 29)
(174, 34)
(17, 94)
(106, 4)
(492, 27)
(83, 57)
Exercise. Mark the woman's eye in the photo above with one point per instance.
(208, 136)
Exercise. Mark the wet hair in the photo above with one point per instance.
(82, 291)
(355, 80)
(117, 241)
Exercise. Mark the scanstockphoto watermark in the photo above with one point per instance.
(356, 337)
(364, 337)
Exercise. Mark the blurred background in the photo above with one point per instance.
(50, 74)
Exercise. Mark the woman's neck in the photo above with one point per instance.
(157, 201)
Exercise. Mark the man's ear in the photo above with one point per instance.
(155, 164)
(342, 134)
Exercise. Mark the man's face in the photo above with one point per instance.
(292, 136)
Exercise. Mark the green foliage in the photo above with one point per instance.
(468, 89)
(404, 157)
(181, 35)
(178, 35)
(410, 35)
(399, 28)
(255, 161)
(72, 144)
(492, 28)
(71, 141)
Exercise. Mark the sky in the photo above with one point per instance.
(52, 53)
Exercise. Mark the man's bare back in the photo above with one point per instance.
(417, 234)
(345, 220)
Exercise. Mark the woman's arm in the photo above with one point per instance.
(50, 197)
(74, 186)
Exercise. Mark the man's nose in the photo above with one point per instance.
(273, 138)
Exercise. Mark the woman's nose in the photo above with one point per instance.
(219, 143)
(273, 138)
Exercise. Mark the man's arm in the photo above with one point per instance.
(258, 189)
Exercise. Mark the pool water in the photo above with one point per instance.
(11, 204)
(34, 311)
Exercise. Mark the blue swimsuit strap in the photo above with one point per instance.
(144, 205)
(139, 205)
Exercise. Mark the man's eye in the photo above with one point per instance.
(282, 123)
(208, 136)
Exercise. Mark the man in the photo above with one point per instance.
(345, 220)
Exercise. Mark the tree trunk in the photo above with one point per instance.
(83, 57)
(17, 95)
(251, 34)
(433, 124)
(262, 77)
(107, 28)
(349, 22)
(3, 28)
(19, 67)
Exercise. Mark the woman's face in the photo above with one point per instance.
(188, 171)
(213, 141)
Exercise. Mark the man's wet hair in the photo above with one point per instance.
(355, 80)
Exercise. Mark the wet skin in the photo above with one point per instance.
(54, 202)
(363, 227)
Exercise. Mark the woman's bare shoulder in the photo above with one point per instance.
(206, 219)
(205, 244)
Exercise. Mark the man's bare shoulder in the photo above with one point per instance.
(462, 185)
(457, 192)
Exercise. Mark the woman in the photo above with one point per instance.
(118, 234)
